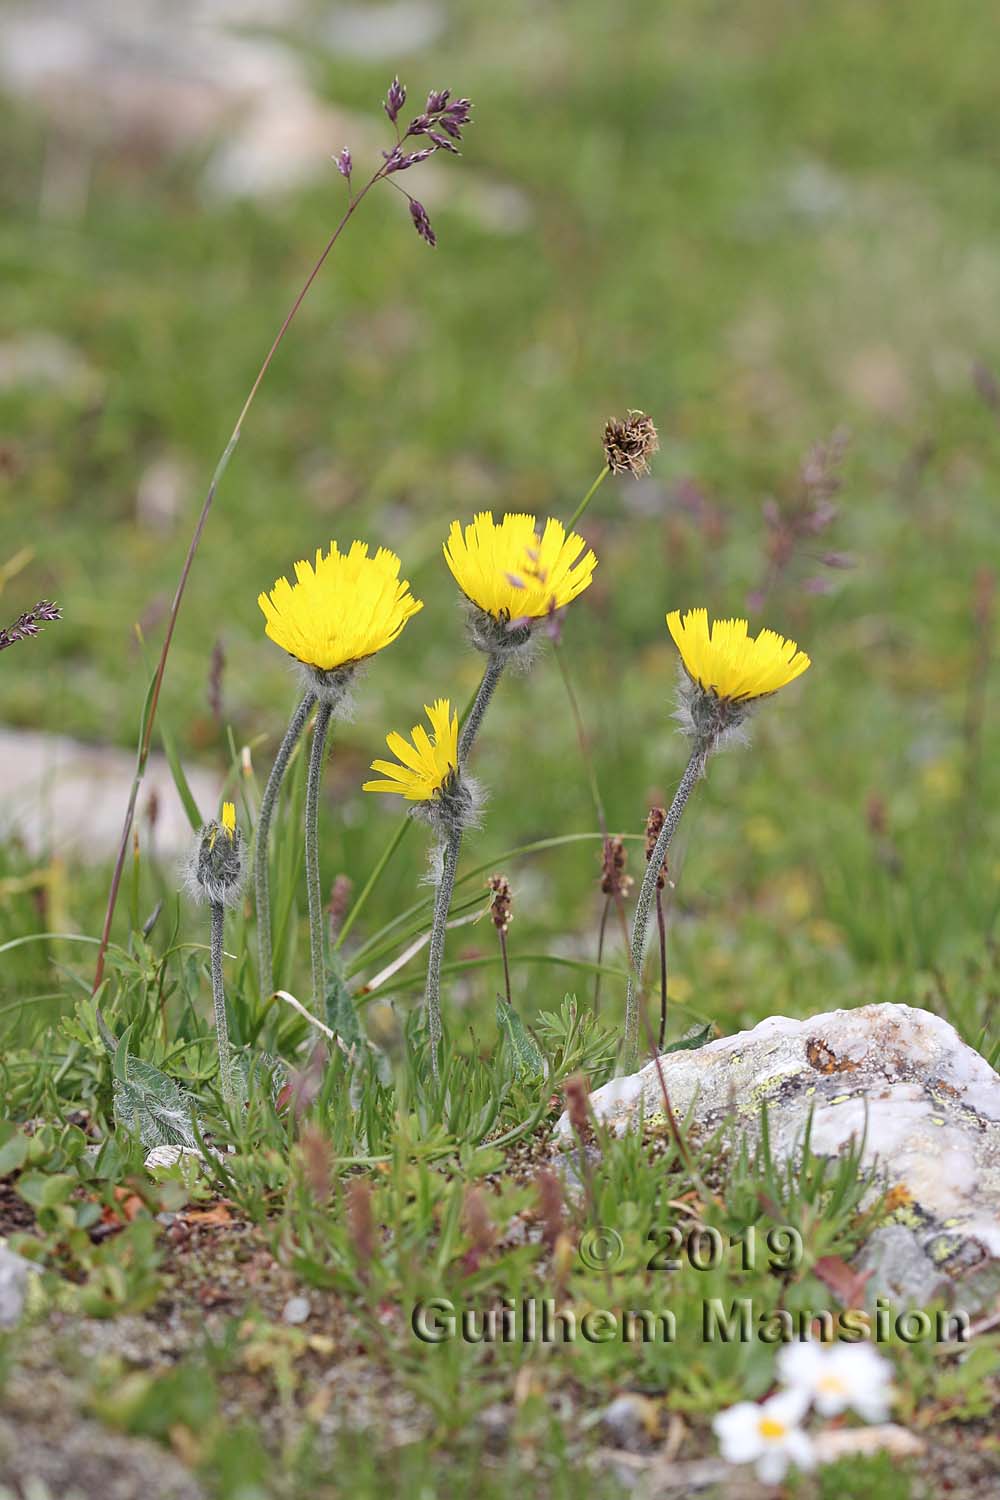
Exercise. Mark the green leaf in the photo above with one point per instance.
(263, 1070)
(148, 1104)
(13, 1153)
(46, 1190)
(180, 780)
(529, 1060)
(341, 1013)
(693, 1039)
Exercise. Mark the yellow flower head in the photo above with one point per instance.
(345, 608)
(730, 663)
(513, 572)
(229, 820)
(428, 764)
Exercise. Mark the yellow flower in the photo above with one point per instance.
(514, 573)
(428, 764)
(731, 664)
(229, 819)
(346, 608)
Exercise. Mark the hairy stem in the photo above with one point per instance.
(446, 883)
(316, 935)
(220, 468)
(647, 894)
(442, 902)
(479, 703)
(471, 727)
(262, 876)
(218, 913)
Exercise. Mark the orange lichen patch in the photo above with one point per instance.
(825, 1060)
(898, 1197)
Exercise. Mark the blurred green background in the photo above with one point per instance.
(763, 226)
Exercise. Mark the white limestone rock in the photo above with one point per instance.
(927, 1105)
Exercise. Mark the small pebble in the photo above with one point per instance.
(296, 1310)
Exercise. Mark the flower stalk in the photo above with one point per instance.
(218, 917)
(725, 674)
(442, 902)
(262, 874)
(445, 887)
(647, 896)
(313, 888)
(487, 687)
(214, 877)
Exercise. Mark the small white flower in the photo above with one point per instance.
(846, 1375)
(767, 1434)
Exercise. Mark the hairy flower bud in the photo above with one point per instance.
(345, 164)
(216, 867)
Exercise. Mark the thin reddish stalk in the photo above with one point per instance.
(662, 928)
(220, 469)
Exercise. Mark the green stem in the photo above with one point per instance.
(602, 929)
(262, 875)
(602, 476)
(506, 964)
(218, 912)
(442, 901)
(315, 777)
(647, 896)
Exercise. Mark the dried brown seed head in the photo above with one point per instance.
(614, 880)
(629, 444)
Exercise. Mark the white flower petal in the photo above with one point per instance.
(737, 1431)
(800, 1449)
(771, 1465)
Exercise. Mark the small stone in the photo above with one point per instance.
(15, 1278)
(169, 1156)
(631, 1420)
(296, 1310)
